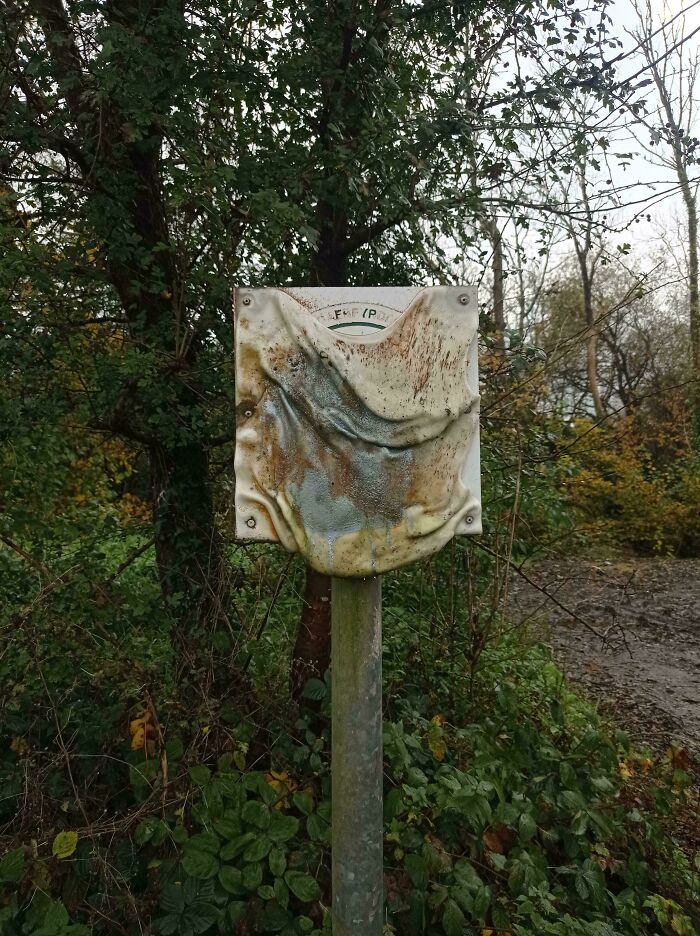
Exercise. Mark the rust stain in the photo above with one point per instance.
(353, 450)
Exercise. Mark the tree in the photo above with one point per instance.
(675, 69)
(588, 254)
(404, 104)
(114, 129)
(157, 151)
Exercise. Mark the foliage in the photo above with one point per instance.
(649, 507)
(154, 774)
(154, 152)
(508, 804)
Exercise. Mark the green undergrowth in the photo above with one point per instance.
(142, 797)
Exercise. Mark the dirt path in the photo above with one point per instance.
(649, 672)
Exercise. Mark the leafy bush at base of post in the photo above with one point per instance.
(526, 818)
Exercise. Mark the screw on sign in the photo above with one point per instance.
(359, 449)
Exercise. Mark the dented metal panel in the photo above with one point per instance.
(357, 433)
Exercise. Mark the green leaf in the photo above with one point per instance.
(167, 925)
(231, 879)
(278, 862)
(275, 918)
(281, 892)
(526, 827)
(282, 828)
(12, 866)
(315, 689)
(252, 876)
(205, 841)
(417, 871)
(180, 835)
(316, 828)
(232, 849)
(151, 830)
(257, 849)
(302, 885)
(453, 919)
(257, 814)
(172, 898)
(199, 774)
(64, 844)
(199, 864)
(304, 803)
(416, 909)
(227, 828)
(201, 916)
(310, 234)
(393, 805)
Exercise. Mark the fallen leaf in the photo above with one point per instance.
(64, 844)
(19, 745)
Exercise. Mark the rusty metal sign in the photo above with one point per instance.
(357, 433)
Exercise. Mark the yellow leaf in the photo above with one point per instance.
(135, 726)
(438, 748)
(282, 784)
(625, 771)
(239, 759)
(436, 738)
(143, 730)
(65, 844)
(19, 745)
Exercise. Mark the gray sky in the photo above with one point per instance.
(642, 169)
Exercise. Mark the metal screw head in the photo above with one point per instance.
(250, 522)
(247, 300)
(464, 299)
(470, 519)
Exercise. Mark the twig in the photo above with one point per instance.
(273, 600)
(128, 561)
(38, 566)
(577, 617)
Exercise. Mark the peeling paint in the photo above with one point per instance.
(351, 448)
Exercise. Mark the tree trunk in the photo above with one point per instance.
(693, 301)
(312, 648)
(126, 204)
(311, 655)
(690, 201)
(591, 338)
(490, 225)
(188, 550)
(592, 372)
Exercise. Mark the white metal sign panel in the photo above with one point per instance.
(357, 439)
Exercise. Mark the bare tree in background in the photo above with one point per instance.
(674, 68)
(589, 250)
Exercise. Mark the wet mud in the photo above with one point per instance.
(643, 663)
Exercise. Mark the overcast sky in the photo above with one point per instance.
(642, 168)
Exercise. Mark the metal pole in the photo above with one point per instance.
(356, 756)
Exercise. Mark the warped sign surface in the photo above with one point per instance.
(357, 422)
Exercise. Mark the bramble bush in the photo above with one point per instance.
(132, 801)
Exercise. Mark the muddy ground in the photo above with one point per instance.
(646, 672)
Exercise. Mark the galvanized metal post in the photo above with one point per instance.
(356, 756)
